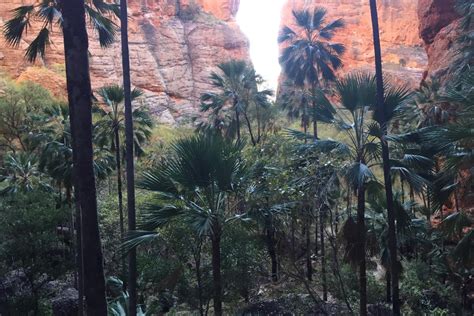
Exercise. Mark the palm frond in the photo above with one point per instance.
(38, 46)
(15, 28)
(105, 27)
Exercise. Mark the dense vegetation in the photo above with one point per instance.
(246, 211)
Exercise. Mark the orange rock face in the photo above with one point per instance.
(174, 45)
(439, 28)
(403, 52)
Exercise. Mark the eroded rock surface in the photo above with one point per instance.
(174, 45)
(403, 51)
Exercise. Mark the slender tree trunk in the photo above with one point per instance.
(119, 181)
(315, 121)
(293, 238)
(237, 119)
(79, 258)
(316, 230)
(362, 239)
(216, 273)
(249, 126)
(323, 253)
(305, 123)
(259, 131)
(132, 256)
(197, 261)
(120, 197)
(80, 103)
(309, 264)
(388, 279)
(270, 239)
(392, 237)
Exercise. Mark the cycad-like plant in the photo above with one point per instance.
(47, 13)
(195, 184)
(20, 174)
(310, 58)
(237, 85)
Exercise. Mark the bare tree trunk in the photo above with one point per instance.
(129, 143)
(80, 103)
(216, 273)
(197, 261)
(323, 253)
(392, 232)
(270, 239)
(79, 258)
(237, 119)
(249, 126)
(362, 262)
(316, 230)
(309, 265)
(120, 196)
(388, 280)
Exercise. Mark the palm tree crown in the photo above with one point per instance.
(237, 85)
(310, 55)
(48, 13)
(111, 114)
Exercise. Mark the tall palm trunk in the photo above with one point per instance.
(392, 237)
(119, 189)
(309, 264)
(216, 273)
(80, 103)
(132, 256)
(362, 239)
(237, 121)
(315, 122)
(322, 216)
(270, 241)
(388, 280)
(79, 259)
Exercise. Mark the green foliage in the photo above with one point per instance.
(238, 98)
(35, 241)
(242, 258)
(425, 294)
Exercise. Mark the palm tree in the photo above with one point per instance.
(311, 59)
(20, 173)
(71, 17)
(238, 90)
(129, 133)
(383, 119)
(358, 118)
(49, 13)
(80, 102)
(196, 185)
(111, 127)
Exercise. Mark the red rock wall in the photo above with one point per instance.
(439, 28)
(174, 45)
(404, 56)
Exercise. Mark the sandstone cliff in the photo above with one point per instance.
(174, 45)
(404, 56)
(439, 28)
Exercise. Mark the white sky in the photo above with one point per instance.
(260, 20)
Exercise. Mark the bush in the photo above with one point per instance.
(424, 294)
(32, 249)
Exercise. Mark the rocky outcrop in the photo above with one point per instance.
(440, 29)
(403, 52)
(174, 45)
